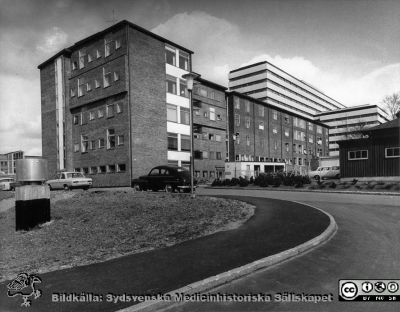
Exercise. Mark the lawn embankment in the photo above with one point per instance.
(96, 226)
(6, 194)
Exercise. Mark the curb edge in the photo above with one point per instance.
(236, 273)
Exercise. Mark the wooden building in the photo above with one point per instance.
(376, 157)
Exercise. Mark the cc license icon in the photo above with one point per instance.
(349, 290)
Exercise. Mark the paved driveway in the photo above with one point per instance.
(367, 245)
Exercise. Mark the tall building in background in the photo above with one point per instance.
(270, 84)
(348, 123)
(104, 104)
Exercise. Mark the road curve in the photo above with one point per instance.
(366, 246)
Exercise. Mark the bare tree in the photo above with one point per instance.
(392, 104)
(355, 131)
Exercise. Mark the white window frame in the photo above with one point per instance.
(84, 139)
(393, 148)
(120, 139)
(81, 59)
(237, 120)
(212, 113)
(117, 44)
(261, 125)
(247, 122)
(361, 158)
(119, 108)
(106, 82)
(109, 136)
(107, 47)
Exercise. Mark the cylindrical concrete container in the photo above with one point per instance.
(32, 199)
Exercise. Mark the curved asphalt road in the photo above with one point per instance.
(366, 246)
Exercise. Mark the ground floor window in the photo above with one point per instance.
(392, 152)
(121, 167)
(358, 155)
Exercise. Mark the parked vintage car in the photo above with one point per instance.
(6, 184)
(168, 178)
(70, 180)
(325, 173)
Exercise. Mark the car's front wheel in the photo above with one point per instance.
(136, 187)
(169, 188)
(66, 187)
(317, 177)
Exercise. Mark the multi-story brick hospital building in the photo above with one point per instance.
(115, 104)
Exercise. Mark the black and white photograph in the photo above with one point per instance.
(181, 155)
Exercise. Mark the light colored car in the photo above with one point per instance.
(70, 180)
(6, 184)
(325, 173)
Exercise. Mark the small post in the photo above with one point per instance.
(32, 198)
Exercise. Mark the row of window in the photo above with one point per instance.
(207, 174)
(213, 155)
(175, 138)
(111, 139)
(177, 58)
(288, 82)
(390, 152)
(102, 169)
(110, 111)
(357, 126)
(83, 85)
(211, 94)
(290, 161)
(347, 118)
(269, 100)
(89, 57)
(297, 122)
(210, 114)
(172, 86)
(207, 136)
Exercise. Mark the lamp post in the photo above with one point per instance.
(190, 77)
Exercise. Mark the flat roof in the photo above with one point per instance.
(277, 108)
(68, 51)
(347, 109)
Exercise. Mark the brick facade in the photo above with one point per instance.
(210, 121)
(123, 66)
(260, 132)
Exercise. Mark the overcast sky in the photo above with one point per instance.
(349, 49)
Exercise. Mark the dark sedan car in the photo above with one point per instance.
(166, 178)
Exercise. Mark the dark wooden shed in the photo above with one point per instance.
(376, 155)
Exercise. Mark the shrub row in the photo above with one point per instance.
(266, 179)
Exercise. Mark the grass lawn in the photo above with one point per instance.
(99, 225)
(6, 194)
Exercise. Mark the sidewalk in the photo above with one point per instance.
(275, 227)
